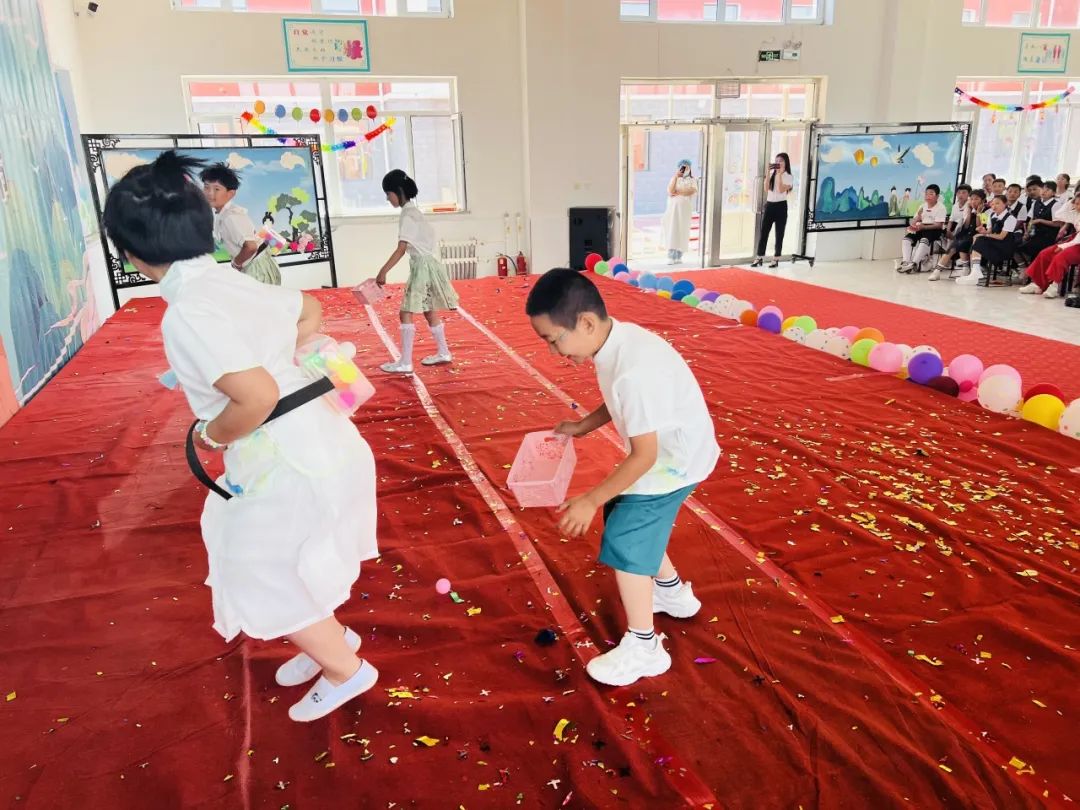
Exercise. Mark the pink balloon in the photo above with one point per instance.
(886, 357)
(699, 292)
(966, 368)
(614, 260)
(849, 332)
(635, 275)
(771, 308)
(968, 395)
(998, 370)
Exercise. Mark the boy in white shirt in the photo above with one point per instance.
(927, 227)
(658, 409)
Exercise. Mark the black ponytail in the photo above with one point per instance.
(401, 184)
(158, 214)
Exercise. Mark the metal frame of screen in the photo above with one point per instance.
(95, 145)
(817, 131)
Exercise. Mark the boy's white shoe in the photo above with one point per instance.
(972, 279)
(324, 697)
(301, 668)
(936, 274)
(1051, 292)
(437, 360)
(632, 659)
(397, 367)
(679, 602)
(1031, 289)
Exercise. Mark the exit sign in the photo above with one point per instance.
(770, 56)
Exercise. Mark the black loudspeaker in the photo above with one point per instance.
(591, 231)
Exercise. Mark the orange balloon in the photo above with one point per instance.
(329, 115)
(789, 322)
(663, 294)
(868, 332)
(748, 318)
(260, 107)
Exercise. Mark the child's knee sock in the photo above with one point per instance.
(439, 333)
(922, 250)
(408, 334)
(905, 249)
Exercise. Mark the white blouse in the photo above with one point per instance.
(416, 231)
(775, 195)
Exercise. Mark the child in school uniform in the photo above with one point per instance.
(1043, 225)
(293, 517)
(233, 227)
(658, 409)
(995, 243)
(925, 229)
(429, 290)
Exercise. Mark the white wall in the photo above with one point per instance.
(538, 82)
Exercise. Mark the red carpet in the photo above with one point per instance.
(910, 515)
(1037, 359)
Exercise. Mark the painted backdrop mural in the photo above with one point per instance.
(45, 315)
(864, 177)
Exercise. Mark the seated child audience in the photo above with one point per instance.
(959, 247)
(988, 185)
(1043, 225)
(927, 226)
(995, 243)
(1050, 266)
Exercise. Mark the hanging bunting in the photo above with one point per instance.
(250, 118)
(1014, 108)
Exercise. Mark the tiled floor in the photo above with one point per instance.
(1003, 307)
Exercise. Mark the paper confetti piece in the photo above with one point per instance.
(1038, 703)
(1017, 763)
(837, 619)
(934, 662)
(10, 696)
(704, 660)
(430, 742)
(474, 611)
(1027, 572)
(402, 694)
(945, 768)
(560, 729)
(985, 655)
(457, 600)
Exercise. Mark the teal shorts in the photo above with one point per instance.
(637, 529)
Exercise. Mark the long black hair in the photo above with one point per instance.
(787, 168)
(401, 184)
(158, 214)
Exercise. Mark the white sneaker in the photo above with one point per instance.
(971, 279)
(679, 602)
(324, 697)
(1031, 289)
(632, 659)
(1051, 292)
(301, 668)
(437, 360)
(397, 368)
(936, 274)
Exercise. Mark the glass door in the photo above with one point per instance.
(657, 221)
(739, 175)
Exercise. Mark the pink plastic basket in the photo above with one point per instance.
(543, 468)
(368, 292)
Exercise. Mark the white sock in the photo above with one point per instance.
(408, 334)
(922, 250)
(905, 249)
(439, 333)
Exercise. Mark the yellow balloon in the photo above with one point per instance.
(1043, 409)
(260, 107)
(788, 323)
(873, 161)
(860, 156)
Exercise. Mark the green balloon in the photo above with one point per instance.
(297, 113)
(691, 300)
(860, 351)
(806, 323)
(601, 268)
(356, 113)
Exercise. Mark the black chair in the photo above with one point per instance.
(1068, 283)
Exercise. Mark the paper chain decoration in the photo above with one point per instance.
(989, 105)
(250, 118)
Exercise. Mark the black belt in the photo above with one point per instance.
(287, 403)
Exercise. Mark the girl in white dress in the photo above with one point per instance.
(429, 290)
(296, 514)
(675, 226)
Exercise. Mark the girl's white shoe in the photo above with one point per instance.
(301, 668)
(397, 367)
(324, 697)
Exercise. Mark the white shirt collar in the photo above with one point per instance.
(181, 273)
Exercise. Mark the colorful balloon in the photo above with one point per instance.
(748, 318)
(806, 323)
(601, 268)
(1069, 424)
(1043, 409)
(1000, 394)
(297, 114)
(770, 322)
(772, 308)
(946, 385)
(260, 107)
(886, 358)
(860, 350)
(817, 339)
(966, 370)
(924, 366)
(372, 113)
(838, 346)
(591, 261)
(279, 111)
(999, 370)
(795, 334)
(691, 300)
(1044, 388)
(869, 332)
(849, 332)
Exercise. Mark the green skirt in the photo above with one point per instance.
(263, 268)
(429, 288)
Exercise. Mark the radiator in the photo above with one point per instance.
(460, 258)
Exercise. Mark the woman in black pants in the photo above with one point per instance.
(777, 187)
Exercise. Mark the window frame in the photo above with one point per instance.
(786, 19)
(1034, 19)
(401, 10)
(812, 100)
(326, 130)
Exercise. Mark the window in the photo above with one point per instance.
(426, 141)
(759, 12)
(1015, 145)
(1022, 13)
(774, 100)
(365, 8)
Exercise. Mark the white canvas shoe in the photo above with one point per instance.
(1031, 289)
(301, 668)
(679, 603)
(397, 367)
(1051, 292)
(972, 279)
(324, 697)
(936, 274)
(631, 660)
(437, 360)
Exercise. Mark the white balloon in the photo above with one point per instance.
(817, 339)
(795, 333)
(832, 330)
(838, 346)
(921, 349)
(1001, 394)
(909, 352)
(1069, 425)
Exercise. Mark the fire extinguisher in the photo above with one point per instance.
(504, 267)
(522, 264)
